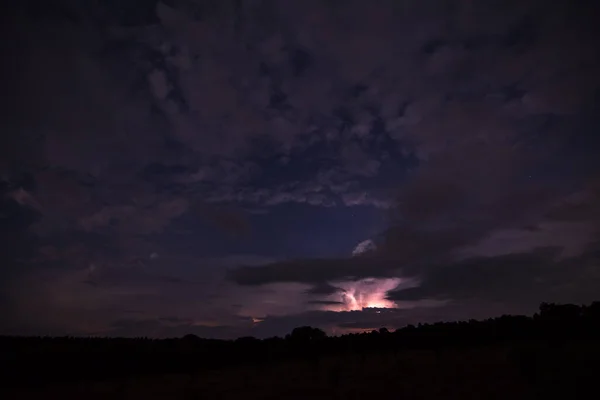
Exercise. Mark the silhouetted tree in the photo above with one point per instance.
(306, 335)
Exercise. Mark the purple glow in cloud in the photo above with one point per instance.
(365, 293)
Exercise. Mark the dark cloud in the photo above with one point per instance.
(314, 271)
(505, 276)
(325, 302)
(144, 135)
(324, 289)
(138, 274)
(233, 221)
(582, 205)
(523, 279)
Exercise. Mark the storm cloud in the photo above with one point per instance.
(225, 162)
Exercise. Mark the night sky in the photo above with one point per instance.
(242, 167)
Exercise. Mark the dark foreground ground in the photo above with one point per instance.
(516, 371)
(554, 354)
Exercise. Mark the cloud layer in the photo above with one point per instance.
(225, 161)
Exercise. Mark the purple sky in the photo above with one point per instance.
(238, 168)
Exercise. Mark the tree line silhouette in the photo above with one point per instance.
(39, 360)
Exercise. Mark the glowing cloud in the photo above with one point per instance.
(363, 247)
(365, 293)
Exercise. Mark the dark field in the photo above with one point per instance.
(555, 354)
(482, 373)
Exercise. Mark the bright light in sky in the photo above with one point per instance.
(365, 293)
